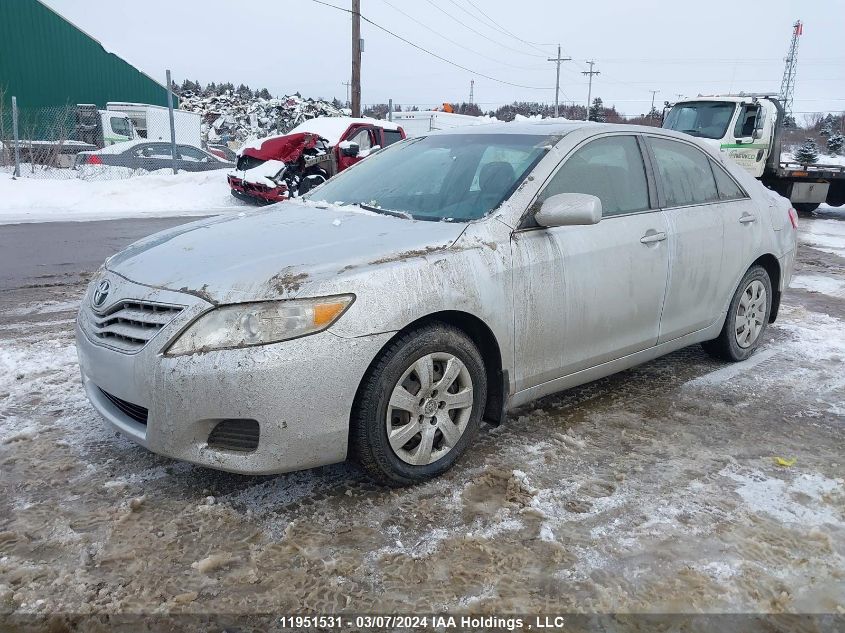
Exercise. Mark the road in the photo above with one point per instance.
(58, 252)
(654, 490)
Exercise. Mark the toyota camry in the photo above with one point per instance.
(440, 283)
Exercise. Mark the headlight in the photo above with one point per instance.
(248, 324)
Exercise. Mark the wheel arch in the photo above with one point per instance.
(480, 333)
(771, 265)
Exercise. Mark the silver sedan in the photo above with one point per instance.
(442, 282)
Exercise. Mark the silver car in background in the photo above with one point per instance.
(446, 280)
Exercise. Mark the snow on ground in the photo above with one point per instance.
(826, 235)
(819, 283)
(655, 490)
(152, 195)
(824, 159)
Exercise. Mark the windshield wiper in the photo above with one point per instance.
(396, 214)
(692, 132)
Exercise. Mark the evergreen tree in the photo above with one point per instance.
(835, 142)
(808, 153)
(597, 112)
(264, 94)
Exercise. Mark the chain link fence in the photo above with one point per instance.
(122, 141)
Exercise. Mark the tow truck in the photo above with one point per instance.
(749, 129)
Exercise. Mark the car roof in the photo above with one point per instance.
(560, 127)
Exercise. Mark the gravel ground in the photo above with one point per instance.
(655, 490)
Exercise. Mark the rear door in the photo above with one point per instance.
(586, 295)
(695, 214)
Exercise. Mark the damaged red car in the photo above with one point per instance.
(281, 167)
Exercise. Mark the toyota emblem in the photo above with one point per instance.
(101, 294)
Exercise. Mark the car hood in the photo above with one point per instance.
(281, 251)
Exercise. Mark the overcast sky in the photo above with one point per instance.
(674, 46)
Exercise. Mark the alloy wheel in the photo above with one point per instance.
(429, 408)
(750, 314)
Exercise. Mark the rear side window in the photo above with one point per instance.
(609, 168)
(684, 172)
(728, 189)
(391, 136)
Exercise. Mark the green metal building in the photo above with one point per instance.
(46, 61)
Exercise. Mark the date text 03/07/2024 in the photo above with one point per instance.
(464, 622)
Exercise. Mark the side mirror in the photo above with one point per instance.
(348, 148)
(569, 209)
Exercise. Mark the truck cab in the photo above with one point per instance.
(748, 129)
(742, 127)
(102, 128)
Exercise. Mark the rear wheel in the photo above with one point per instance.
(420, 405)
(805, 208)
(747, 318)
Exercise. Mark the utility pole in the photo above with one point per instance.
(347, 84)
(172, 123)
(557, 61)
(471, 90)
(590, 73)
(787, 85)
(653, 92)
(356, 58)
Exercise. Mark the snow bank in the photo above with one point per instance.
(154, 195)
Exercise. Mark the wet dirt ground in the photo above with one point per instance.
(655, 490)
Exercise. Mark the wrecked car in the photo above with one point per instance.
(282, 167)
(444, 281)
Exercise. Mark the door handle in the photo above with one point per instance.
(651, 238)
(747, 218)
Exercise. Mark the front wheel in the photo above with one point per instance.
(311, 180)
(748, 316)
(419, 406)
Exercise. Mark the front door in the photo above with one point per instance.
(364, 138)
(586, 295)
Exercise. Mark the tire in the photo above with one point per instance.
(734, 344)
(311, 180)
(397, 377)
(805, 208)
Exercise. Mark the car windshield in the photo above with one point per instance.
(453, 177)
(707, 119)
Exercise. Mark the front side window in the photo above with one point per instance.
(609, 168)
(455, 177)
(363, 139)
(684, 172)
(191, 153)
(708, 119)
(121, 126)
(747, 121)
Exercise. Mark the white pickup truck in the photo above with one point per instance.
(748, 128)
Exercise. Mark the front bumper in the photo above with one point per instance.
(258, 191)
(300, 392)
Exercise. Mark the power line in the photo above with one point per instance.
(451, 41)
(477, 32)
(491, 23)
(425, 50)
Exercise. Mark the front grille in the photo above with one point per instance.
(134, 411)
(129, 325)
(235, 435)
